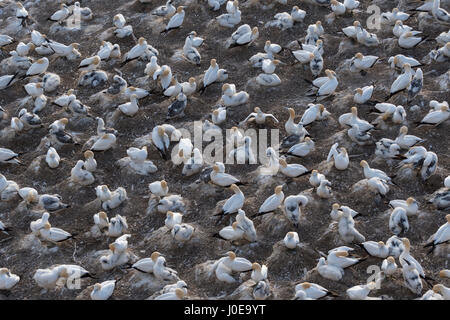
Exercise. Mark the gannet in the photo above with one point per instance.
(342, 260)
(159, 188)
(165, 10)
(272, 202)
(378, 185)
(51, 234)
(21, 13)
(177, 107)
(7, 279)
(373, 173)
(247, 225)
(103, 193)
(346, 227)
(219, 115)
(85, 12)
(174, 89)
(444, 273)
(104, 290)
(136, 52)
(172, 218)
(191, 53)
(221, 178)
(443, 38)
(293, 170)
(104, 143)
(376, 249)
(366, 38)
(392, 17)
(176, 20)
(117, 197)
(436, 117)
(362, 63)
(259, 272)
(161, 141)
(395, 245)
(229, 20)
(410, 205)
(117, 226)
(337, 7)
(291, 127)
(146, 265)
(315, 178)
(182, 232)
(406, 259)
(403, 81)
(329, 271)
(189, 87)
(5, 40)
(412, 279)
(194, 164)
(52, 202)
(259, 116)
(161, 272)
(363, 94)
(329, 86)
(408, 40)
(244, 35)
(177, 294)
(351, 31)
(121, 243)
(38, 224)
(130, 108)
(324, 189)
(23, 50)
(406, 141)
(210, 75)
(7, 80)
(341, 160)
(8, 156)
(389, 266)
(360, 292)
(244, 153)
(302, 149)
(233, 232)
(81, 176)
(400, 60)
(37, 68)
(47, 278)
(291, 240)
(292, 208)
(441, 236)
(101, 220)
(442, 290)
(236, 264)
(235, 202)
(441, 15)
(400, 28)
(90, 64)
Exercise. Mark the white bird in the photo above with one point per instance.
(312, 290)
(177, 294)
(341, 160)
(47, 278)
(235, 202)
(146, 265)
(176, 20)
(101, 220)
(329, 271)
(5, 40)
(37, 68)
(221, 178)
(259, 273)
(376, 249)
(236, 264)
(182, 232)
(137, 51)
(293, 170)
(362, 63)
(272, 202)
(38, 224)
(410, 205)
(103, 291)
(7, 279)
(400, 60)
(210, 74)
(292, 208)
(392, 17)
(52, 234)
(441, 15)
(8, 156)
(363, 94)
(408, 40)
(436, 117)
(165, 10)
(360, 292)
(441, 236)
(291, 240)
(117, 226)
(233, 232)
(337, 7)
(346, 227)
(389, 267)
(406, 141)
(161, 272)
(160, 140)
(104, 143)
(302, 149)
(412, 279)
(342, 260)
(373, 173)
(316, 178)
(400, 28)
(81, 176)
(172, 218)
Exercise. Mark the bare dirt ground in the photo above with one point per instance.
(285, 267)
